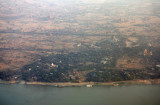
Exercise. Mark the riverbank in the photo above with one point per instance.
(65, 84)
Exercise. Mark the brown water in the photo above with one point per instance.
(17, 94)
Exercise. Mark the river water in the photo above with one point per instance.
(17, 94)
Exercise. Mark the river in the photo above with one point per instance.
(18, 94)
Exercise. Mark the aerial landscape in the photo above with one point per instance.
(79, 52)
(79, 41)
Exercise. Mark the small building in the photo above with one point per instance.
(106, 60)
(78, 45)
(116, 84)
(53, 65)
(30, 69)
(158, 66)
(89, 85)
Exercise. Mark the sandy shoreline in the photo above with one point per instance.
(64, 84)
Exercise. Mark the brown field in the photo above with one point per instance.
(130, 63)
